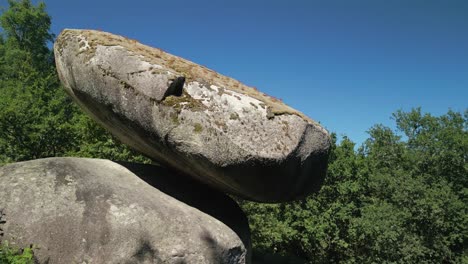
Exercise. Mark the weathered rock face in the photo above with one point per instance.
(190, 118)
(97, 211)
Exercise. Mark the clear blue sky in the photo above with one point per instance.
(347, 64)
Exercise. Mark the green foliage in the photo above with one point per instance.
(34, 123)
(27, 29)
(95, 142)
(37, 118)
(437, 146)
(391, 201)
(13, 255)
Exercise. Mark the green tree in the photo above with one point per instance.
(95, 142)
(37, 118)
(27, 32)
(438, 145)
(397, 199)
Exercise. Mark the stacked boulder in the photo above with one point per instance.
(76, 210)
(211, 134)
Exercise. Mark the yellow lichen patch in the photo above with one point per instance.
(221, 125)
(61, 41)
(197, 128)
(234, 116)
(178, 66)
(174, 117)
(185, 101)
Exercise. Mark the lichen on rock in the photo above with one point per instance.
(193, 119)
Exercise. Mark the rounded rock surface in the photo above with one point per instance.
(76, 210)
(193, 119)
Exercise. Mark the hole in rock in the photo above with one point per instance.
(175, 88)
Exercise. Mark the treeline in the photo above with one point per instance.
(401, 197)
(37, 118)
(391, 201)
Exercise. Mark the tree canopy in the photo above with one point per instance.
(37, 118)
(389, 201)
(26, 28)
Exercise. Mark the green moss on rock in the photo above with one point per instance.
(178, 66)
(185, 101)
(197, 128)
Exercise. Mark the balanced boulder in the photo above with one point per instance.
(75, 210)
(193, 119)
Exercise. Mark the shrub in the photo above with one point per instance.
(13, 255)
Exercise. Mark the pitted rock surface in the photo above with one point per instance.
(76, 210)
(193, 119)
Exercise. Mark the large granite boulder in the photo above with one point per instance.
(188, 117)
(97, 211)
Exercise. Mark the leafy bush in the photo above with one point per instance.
(12, 255)
(390, 201)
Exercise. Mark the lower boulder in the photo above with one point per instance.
(76, 210)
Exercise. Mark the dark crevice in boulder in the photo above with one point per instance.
(2, 221)
(175, 88)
